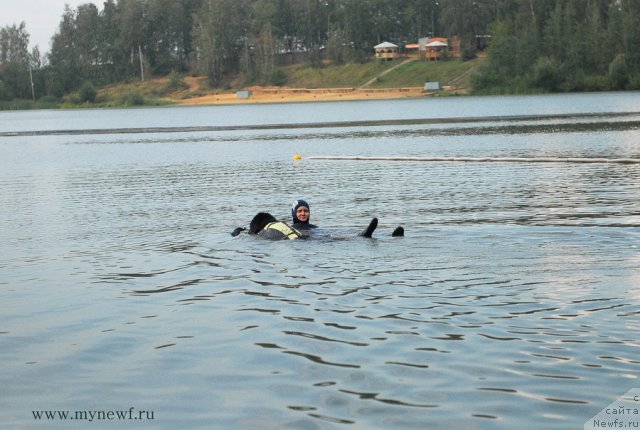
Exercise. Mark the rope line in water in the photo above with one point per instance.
(325, 124)
(587, 160)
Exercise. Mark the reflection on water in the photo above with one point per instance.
(518, 124)
(510, 303)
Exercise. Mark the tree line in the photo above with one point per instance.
(553, 45)
(563, 45)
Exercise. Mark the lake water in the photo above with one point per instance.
(511, 302)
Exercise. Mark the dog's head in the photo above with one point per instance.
(260, 221)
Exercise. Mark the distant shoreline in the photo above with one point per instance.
(295, 95)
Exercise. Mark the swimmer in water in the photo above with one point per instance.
(267, 226)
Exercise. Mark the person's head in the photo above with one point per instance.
(300, 212)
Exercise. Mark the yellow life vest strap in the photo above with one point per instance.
(289, 232)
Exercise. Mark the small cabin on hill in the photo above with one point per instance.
(387, 51)
(412, 49)
(437, 48)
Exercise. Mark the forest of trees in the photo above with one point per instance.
(564, 45)
(549, 45)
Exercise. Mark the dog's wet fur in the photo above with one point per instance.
(260, 221)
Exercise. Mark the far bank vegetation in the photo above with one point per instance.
(531, 46)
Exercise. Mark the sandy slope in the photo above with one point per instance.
(280, 95)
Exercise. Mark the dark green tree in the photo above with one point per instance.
(131, 39)
(219, 29)
(630, 10)
(14, 45)
(87, 92)
(167, 34)
(112, 59)
(64, 56)
(337, 45)
(86, 23)
(467, 19)
(16, 61)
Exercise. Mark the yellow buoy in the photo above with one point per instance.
(297, 157)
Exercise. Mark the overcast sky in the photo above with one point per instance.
(41, 17)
